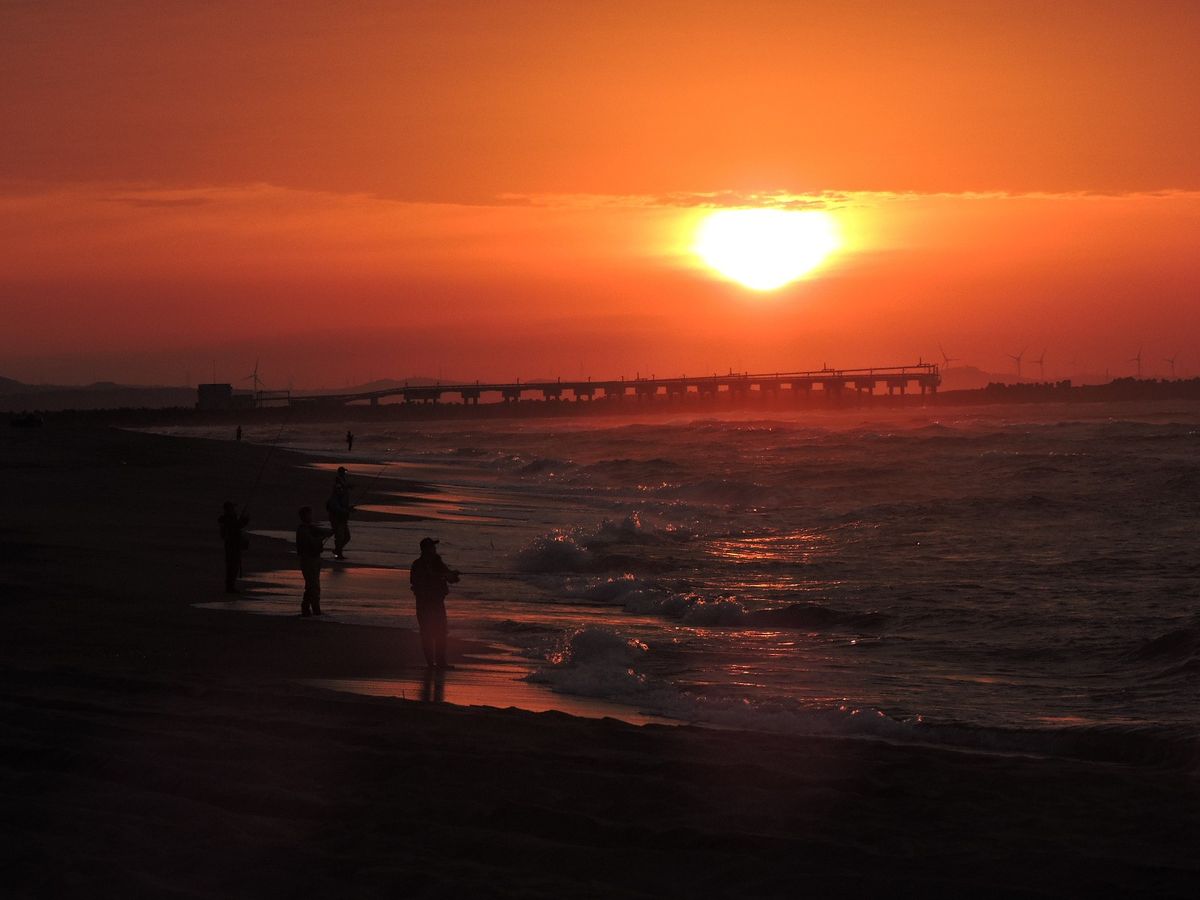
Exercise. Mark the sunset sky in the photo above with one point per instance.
(512, 189)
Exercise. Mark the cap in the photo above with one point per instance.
(428, 543)
(341, 470)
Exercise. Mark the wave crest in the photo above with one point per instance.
(555, 552)
(587, 550)
(599, 662)
(1179, 644)
(594, 662)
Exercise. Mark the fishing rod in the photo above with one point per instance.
(371, 484)
(262, 468)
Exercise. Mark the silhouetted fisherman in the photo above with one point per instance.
(338, 507)
(349, 440)
(310, 541)
(430, 579)
(235, 542)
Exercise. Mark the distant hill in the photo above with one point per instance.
(16, 396)
(12, 386)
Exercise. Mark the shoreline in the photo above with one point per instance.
(484, 674)
(495, 676)
(147, 739)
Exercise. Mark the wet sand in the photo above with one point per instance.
(155, 748)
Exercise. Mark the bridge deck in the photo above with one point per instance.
(923, 376)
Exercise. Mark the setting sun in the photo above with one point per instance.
(764, 249)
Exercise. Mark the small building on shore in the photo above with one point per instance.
(222, 396)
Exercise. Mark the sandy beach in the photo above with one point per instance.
(156, 748)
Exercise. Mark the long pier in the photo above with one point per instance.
(834, 383)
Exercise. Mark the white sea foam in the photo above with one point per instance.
(556, 552)
(581, 549)
(601, 662)
(594, 662)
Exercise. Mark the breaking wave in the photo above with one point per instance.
(1173, 655)
(557, 552)
(673, 600)
(600, 662)
(1181, 643)
(594, 662)
(595, 549)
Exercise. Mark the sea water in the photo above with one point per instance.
(1015, 579)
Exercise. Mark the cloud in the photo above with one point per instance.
(824, 200)
(273, 198)
(723, 199)
(158, 202)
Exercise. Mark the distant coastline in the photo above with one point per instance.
(137, 406)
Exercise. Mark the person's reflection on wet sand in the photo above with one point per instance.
(433, 688)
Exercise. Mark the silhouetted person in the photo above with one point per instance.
(349, 441)
(338, 507)
(231, 535)
(430, 579)
(310, 541)
(239, 433)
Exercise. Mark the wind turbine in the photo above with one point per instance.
(947, 359)
(253, 376)
(1017, 359)
(1138, 359)
(1041, 363)
(1170, 360)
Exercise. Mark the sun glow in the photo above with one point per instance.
(765, 249)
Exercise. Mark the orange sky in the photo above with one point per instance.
(494, 190)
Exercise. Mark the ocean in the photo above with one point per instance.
(1018, 579)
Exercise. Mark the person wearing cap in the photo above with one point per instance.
(338, 507)
(430, 578)
(231, 525)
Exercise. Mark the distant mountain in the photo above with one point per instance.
(16, 396)
(12, 386)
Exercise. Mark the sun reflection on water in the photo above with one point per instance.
(801, 546)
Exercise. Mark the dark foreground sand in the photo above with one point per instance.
(154, 749)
